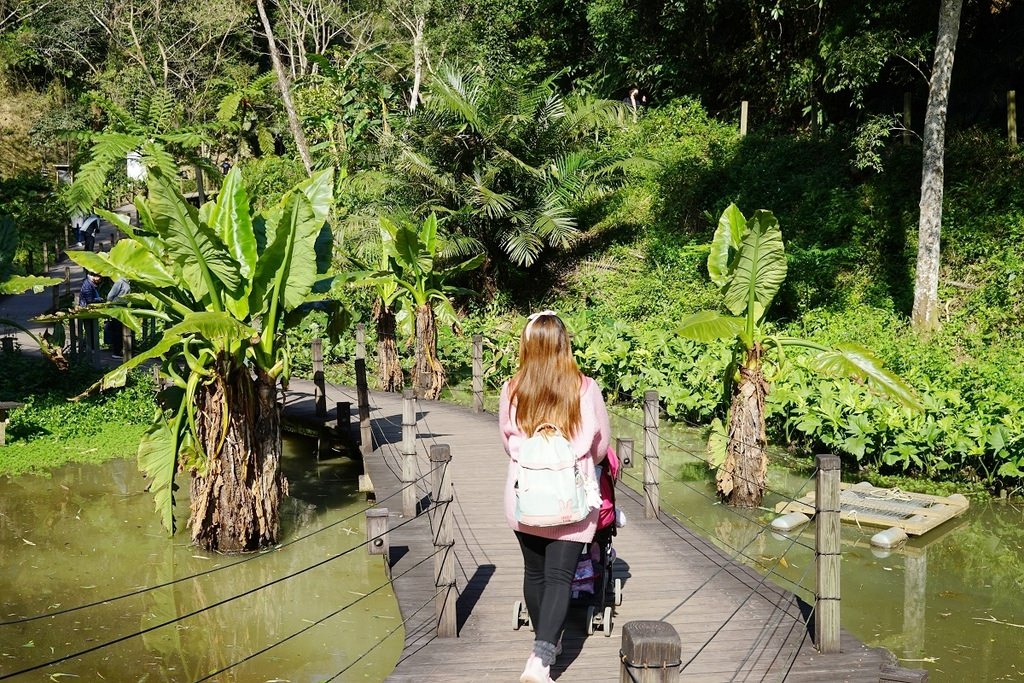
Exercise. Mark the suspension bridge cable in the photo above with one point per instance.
(205, 572)
(714, 501)
(197, 611)
(710, 535)
(388, 634)
(313, 624)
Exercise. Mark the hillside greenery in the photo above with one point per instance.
(518, 140)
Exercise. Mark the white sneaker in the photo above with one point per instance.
(535, 671)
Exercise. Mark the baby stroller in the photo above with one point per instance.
(594, 584)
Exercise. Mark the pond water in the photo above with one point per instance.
(89, 533)
(951, 601)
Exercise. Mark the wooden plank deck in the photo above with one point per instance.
(734, 625)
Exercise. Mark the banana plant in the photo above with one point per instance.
(223, 281)
(747, 261)
(414, 280)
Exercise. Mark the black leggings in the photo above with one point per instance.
(547, 582)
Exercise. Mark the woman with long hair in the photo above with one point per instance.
(549, 388)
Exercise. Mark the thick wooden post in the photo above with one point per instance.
(67, 280)
(377, 532)
(827, 550)
(46, 257)
(651, 653)
(127, 343)
(342, 417)
(444, 540)
(478, 373)
(652, 494)
(55, 295)
(1011, 116)
(31, 268)
(906, 118)
(743, 118)
(363, 393)
(410, 470)
(624, 449)
(319, 386)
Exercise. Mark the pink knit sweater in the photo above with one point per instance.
(590, 441)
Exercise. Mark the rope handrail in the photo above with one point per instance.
(206, 572)
(679, 514)
(319, 621)
(193, 613)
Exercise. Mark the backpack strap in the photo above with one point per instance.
(547, 425)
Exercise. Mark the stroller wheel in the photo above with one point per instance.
(606, 626)
(590, 620)
(618, 592)
(517, 615)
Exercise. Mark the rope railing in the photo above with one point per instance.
(205, 572)
(319, 621)
(195, 612)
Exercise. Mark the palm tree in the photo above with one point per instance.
(152, 127)
(507, 161)
(222, 281)
(748, 263)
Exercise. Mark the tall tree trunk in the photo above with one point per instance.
(235, 500)
(742, 477)
(925, 316)
(285, 87)
(428, 374)
(389, 370)
(416, 26)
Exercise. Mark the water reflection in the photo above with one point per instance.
(950, 601)
(89, 533)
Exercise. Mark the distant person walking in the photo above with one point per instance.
(90, 228)
(90, 294)
(113, 330)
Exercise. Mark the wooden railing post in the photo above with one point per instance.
(127, 343)
(55, 294)
(363, 393)
(46, 257)
(67, 280)
(1011, 117)
(444, 540)
(342, 416)
(652, 494)
(624, 449)
(410, 471)
(827, 550)
(73, 337)
(744, 108)
(377, 531)
(651, 652)
(319, 386)
(478, 373)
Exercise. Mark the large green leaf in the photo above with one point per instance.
(128, 259)
(727, 240)
(206, 265)
(760, 267)
(708, 326)
(319, 190)
(158, 460)
(286, 271)
(229, 219)
(23, 283)
(851, 360)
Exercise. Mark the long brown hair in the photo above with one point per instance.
(547, 386)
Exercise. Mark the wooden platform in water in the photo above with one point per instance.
(734, 624)
(862, 503)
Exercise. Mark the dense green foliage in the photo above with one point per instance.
(50, 429)
(596, 210)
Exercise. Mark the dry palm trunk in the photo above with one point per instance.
(235, 500)
(389, 370)
(428, 374)
(742, 476)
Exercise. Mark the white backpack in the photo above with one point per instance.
(552, 486)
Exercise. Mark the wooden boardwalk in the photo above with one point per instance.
(734, 625)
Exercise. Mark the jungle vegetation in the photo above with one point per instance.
(485, 165)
